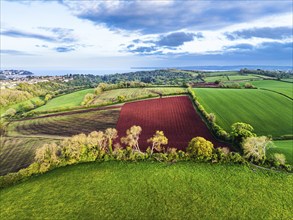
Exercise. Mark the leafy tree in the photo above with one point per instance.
(121, 98)
(48, 97)
(99, 139)
(47, 156)
(132, 137)
(111, 134)
(200, 148)
(280, 159)
(157, 141)
(254, 148)
(10, 112)
(240, 131)
(88, 98)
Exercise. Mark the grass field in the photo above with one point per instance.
(116, 190)
(269, 113)
(66, 125)
(135, 93)
(285, 88)
(18, 152)
(225, 78)
(220, 73)
(283, 147)
(65, 101)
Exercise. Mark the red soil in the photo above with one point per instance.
(175, 116)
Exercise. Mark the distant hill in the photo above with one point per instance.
(16, 72)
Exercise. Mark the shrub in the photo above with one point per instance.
(254, 148)
(200, 148)
(279, 159)
(248, 86)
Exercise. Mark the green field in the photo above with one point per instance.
(135, 93)
(268, 112)
(18, 152)
(220, 73)
(65, 101)
(283, 147)
(116, 190)
(285, 88)
(225, 78)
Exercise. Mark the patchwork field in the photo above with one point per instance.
(65, 101)
(268, 112)
(116, 190)
(175, 116)
(18, 152)
(66, 125)
(135, 93)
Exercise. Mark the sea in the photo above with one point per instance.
(40, 72)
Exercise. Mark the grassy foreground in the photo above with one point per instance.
(116, 190)
(256, 107)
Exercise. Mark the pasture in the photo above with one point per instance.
(65, 101)
(285, 88)
(227, 78)
(268, 112)
(185, 190)
(135, 93)
(66, 124)
(283, 147)
(175, 116)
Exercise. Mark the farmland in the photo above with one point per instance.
(19, 152)
(250, 106)
(65, 101)
(116, 190)
(231, 78)
(135, 93)
(175, 116)
(66, 125)
(285, 88)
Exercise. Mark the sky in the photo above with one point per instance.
(68, 34)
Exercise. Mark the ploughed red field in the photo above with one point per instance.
(175, 116)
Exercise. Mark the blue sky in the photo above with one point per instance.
(66, 34)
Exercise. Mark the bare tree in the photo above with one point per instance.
(132, 137)
(157, 141)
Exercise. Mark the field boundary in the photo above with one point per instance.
(277, 93)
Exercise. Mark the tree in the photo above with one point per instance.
(121, 98)
(211, 117)
(10, 112)
(88, 98)
(240, 131)
(254, 148)
(48, 97)
(157, 141)
(111, 134)
(200, 148)
(98, 138)
(132, 137)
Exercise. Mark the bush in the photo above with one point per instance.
(200, 148)
(279, 159)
